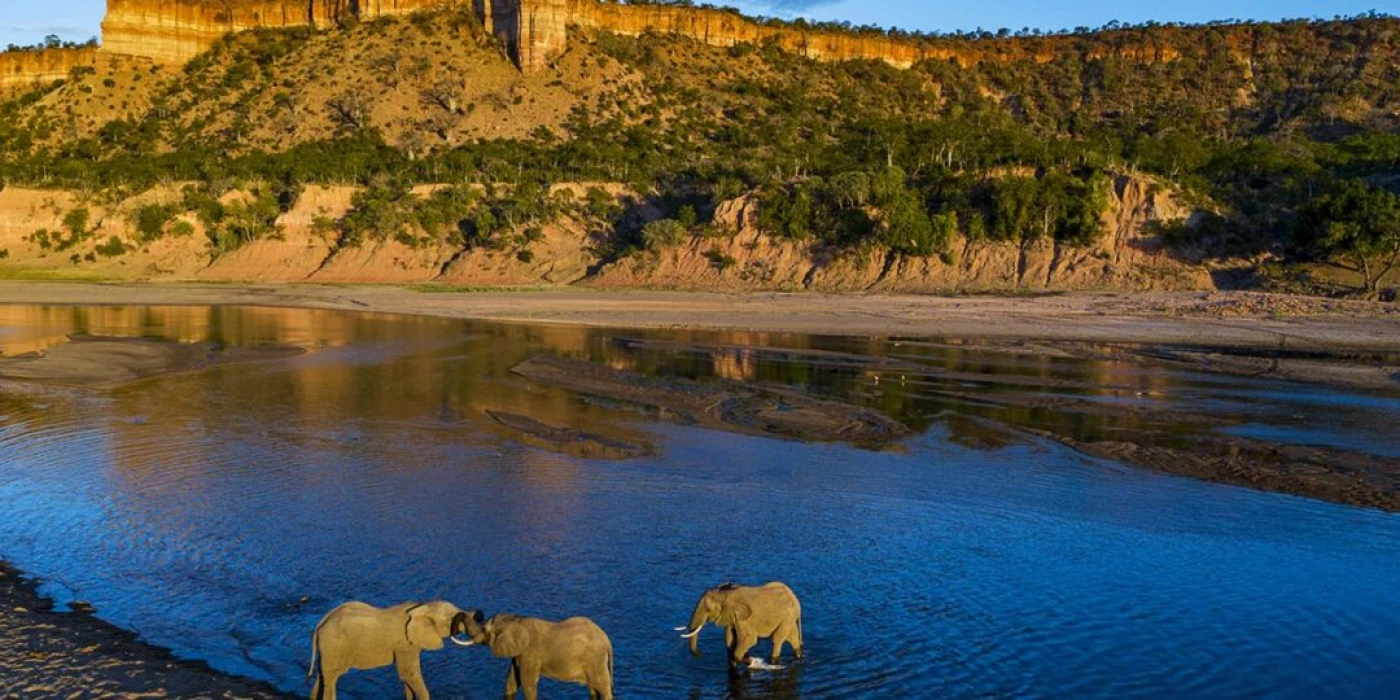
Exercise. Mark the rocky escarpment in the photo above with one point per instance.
(1129, 256)
(174, 31)
(20, 69)
(534, 32)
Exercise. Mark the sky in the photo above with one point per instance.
(28, 21)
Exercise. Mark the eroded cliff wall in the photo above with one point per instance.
(174, 31)
(1129, 256)
(20, 69)
(533, 31)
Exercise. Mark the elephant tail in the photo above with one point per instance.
(315, 642)
(315, 647)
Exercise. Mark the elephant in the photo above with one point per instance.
(360, 636)
(748, 614)
(574, 651)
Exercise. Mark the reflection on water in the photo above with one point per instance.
(974, 560)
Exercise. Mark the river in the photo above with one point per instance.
(222, 512)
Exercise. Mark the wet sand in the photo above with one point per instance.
(1346, 343)
(1226, 319)
(47, 654)
(101, 362)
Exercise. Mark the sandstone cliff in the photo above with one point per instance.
(1129, 256)
(20, 69)
(174, 31)
(534, 32)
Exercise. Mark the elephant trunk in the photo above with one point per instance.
(697, 621)
(468, 623)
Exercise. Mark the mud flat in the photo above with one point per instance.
(47, 654)
(1263, 323)
(97, 362)
(1315, 472)
(731, 406)
(567, 440)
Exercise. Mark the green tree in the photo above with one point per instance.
(1354, 223)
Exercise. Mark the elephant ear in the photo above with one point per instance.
(422, 631)
(510, 641)
(734, 612)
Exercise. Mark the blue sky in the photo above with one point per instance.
(28, 21)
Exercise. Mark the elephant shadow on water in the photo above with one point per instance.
(780, 684)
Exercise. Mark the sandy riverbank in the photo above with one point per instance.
(1342, 342)
(46, 654)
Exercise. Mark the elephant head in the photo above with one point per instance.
(505, 635)
(429, 623)
(719, 606)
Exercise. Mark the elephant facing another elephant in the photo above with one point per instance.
(748, 614)
(360, 636)
(575, 651)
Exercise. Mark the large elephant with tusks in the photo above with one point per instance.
(360, 636)
(748, 614)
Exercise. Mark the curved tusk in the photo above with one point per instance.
(692, 634)
(461, 643)
(682, 628)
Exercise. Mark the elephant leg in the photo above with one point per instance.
(743, 642)
(513, 679)
(529, 680)
(600, 683)
(411, 673)
(325, 684)
(783, 635)
(729, 640)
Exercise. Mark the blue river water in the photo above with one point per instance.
(222, 512)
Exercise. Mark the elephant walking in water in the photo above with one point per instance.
(748, 614)
(575, 651)
(359, 636)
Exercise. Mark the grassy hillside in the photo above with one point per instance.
(1280, 133)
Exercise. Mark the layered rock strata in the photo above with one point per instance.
(21, 69)
(534, 32)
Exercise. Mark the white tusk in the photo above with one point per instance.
(692, 634)
(461, 643)
(682, 628)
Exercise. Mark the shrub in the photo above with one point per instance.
(664, 233)
(112, 248)
(151, 221)
(719, 260)
(76, 221)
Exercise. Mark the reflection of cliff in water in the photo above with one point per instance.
(378, 380)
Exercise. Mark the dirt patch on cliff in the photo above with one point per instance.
(46, 654)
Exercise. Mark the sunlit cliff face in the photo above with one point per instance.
(533, 32)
